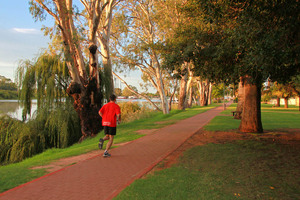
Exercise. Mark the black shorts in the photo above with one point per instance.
(110, 130)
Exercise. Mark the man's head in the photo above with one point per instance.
(112, 97)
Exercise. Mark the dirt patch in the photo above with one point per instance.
(288, 137)
(64, 162)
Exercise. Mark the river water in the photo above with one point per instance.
(14, 109)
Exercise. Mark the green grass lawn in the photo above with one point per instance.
(15, 174)
(239, 170)
(250, 169)
(272, 118)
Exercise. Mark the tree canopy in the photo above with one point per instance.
(229, 39)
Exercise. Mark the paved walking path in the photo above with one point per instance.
(103, 178)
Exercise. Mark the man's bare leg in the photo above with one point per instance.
(110, 142)
(106, 137)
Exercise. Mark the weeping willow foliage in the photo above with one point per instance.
(58, 127)
(55, 124)
(46, 79)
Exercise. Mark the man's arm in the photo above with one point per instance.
(119, 118)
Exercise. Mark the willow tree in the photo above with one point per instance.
(46, 79)
(85, 86)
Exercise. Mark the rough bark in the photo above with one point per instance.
(286, 102)
(161, 91)
(103, 38)
(182, 91)
(251, 113)
(203, 87)
(172, 95)
(209, 94)
(190, 99)
(278, 102)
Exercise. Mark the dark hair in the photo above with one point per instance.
(112, 97)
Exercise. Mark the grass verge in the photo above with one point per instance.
(16, 174)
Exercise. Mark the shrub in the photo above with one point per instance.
(131, 111)
(8, 94)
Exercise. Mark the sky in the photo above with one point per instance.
(21, 38)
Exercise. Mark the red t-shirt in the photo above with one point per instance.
(109, 114)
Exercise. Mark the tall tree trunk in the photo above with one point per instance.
(190, 99)
(160, 84)
(108, 76)
(161, 91)
(172, 95)
(203, 87)
(251, 113)
(209, 93)
(286, 102)
(278, 102)
(189, 90)
(183, 86)
(87, 111)
(182, 92)
(103, 38)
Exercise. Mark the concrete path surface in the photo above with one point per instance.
(103, 178)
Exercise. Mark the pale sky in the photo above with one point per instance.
(21, 38)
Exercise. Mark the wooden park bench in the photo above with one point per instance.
(237, 114)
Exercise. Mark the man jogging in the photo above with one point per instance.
(110, 113)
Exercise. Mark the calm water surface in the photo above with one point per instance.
(14, 109)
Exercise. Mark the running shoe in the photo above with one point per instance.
(106, 154)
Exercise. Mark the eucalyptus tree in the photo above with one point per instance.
(252, 40)
(103, 37)
(170, 18)
(136, 44)
(285, 91)
(85, 86)
(188, 47)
